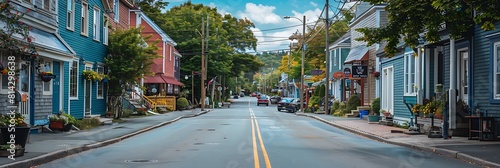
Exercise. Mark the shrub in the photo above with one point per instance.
(336, 105)
(314, 100)
(88, 123)
(126, 113)
(353, 102)
(182, 103)
(375, 106)
(321, 93)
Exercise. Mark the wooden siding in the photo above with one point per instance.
(397, 62)
(481, 64)
(87, 48)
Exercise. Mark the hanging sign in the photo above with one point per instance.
(359, 71)
(347, 72)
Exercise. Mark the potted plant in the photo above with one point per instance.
(376, 74)
(47, 76)
(11, 150)
(13, 125)
(61, 121)
(375, 108)
(91, 75)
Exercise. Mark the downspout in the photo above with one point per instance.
(419, 75)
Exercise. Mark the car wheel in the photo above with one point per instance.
(257, 104)
(279, 109)
(267, 104)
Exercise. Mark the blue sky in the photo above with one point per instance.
(268, 14)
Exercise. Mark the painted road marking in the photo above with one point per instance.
(255, 126)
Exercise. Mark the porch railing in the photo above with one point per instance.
(164, 101)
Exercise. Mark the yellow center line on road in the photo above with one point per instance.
(255, 126)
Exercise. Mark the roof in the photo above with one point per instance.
(164, 36)
(344, 39)
(358, 53)
(160, 78)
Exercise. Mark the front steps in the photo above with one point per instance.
(355, 113)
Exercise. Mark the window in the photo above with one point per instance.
(100, 85)
(409, 73)
(496, 70)
(105, 32)
(169, 88)
(47, 86)
(333, 55)
(84, 29)
(116, 7)
(5, 80)
(73, 80)
(97, 24)
(47, 5)
(70, 14)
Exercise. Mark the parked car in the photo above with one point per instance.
(275, 99)
(286, 104)
(263, 99)
(253, 94)
(296, 104)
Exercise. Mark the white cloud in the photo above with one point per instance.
(212, 5)
(313, 4)
(260, 14)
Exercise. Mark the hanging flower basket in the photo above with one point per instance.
(376, 74)
(92, 75)
(46, 77)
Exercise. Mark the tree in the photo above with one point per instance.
(410, 19)
(129, 58)
(227, 37)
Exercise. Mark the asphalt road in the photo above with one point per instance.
(251, 136)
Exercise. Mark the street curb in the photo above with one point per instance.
(48, 157)
(444, 152)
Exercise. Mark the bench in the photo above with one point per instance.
(226, 104)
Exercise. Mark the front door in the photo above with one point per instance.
(388, 89)
(463, 75)
(56, 94)
(24, 89)
(87, 93)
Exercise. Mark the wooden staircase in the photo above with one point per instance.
(355, 113)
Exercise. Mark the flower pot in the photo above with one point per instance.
(21, 135)
(373, 118)
(47, 78)
(6, 153)
(67, 127)
(56, 125)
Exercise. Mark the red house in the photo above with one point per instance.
(166, 69)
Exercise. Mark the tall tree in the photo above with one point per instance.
(129, 58)
(409, 19)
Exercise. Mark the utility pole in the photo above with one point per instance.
(327, 55)
(288, 75)
(302, 99)
(203, 75)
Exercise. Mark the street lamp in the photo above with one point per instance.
(192, 86)
(303, 60)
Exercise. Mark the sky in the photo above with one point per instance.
(271, 29)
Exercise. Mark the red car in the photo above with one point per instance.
(262, 99)
(254, 95)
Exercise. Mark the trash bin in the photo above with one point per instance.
(362, 113)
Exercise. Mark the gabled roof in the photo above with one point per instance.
(344, 40)
(164, 36)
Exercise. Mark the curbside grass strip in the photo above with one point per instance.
(48, 157)
(444, 152)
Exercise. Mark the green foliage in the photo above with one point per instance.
(321, 90)
(129, 57)
(182, 103)
(88, 123)
(375, 106)
(70, 118)
(335, 106)
(353, 102)
(127, 113)
(314, 100)
(427, 17)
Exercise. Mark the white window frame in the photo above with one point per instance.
(96, 25)
(116, 10)
(3, 59)
(84, 19)
(44, 68)
(71, 68)
(409, 74)
(100, 70)
(105, 33)
(496, 70)
(70, 15)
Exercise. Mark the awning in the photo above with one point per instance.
(358, 53)
(47, 41)
(160, 78)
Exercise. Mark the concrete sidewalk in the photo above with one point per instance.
(485, 153)
(45, 147)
